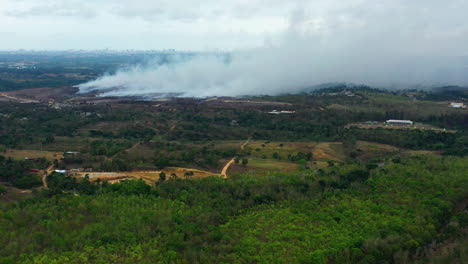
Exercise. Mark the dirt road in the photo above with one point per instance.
(49, 171)
(245, 143)
(23, 100)
(226, 167)
(46, 173)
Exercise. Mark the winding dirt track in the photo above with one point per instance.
(18, 99)
(49, 171)
(226, 167)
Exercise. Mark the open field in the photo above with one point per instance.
(64, 144)
(369, 150)
(261, 167)
(41, 94)
(146, 175)
(329, 151)
(21, 154)
(369, 125)
(266, 149)
(273, 165)
(14, 194)
(420, 152)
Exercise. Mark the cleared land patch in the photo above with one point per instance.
(34, 154)
(149, 176)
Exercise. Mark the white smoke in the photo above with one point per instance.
(368, 47)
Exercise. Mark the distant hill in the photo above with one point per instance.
(448, 93)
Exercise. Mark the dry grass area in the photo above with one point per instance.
(329, 151)
(262, 167)
(396, 126)
(318, 164)
(14, 194)
(370, 150)
(420, 152)
(62, 144)
(264, 149)
(107, 126)
(271, 164)
(43, 94)
(338, 107)
(371, 146)
(149, 176)
(21, 154)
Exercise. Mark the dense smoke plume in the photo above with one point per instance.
(417, 44)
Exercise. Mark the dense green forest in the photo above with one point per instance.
(330, 183)
(344, 214)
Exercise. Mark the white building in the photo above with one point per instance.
(399, 122)
(276, 112)
(456, 105)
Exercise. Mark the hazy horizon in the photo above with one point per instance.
(274, 46)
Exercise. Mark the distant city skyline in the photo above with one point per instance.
(230, 25)
(139, 24)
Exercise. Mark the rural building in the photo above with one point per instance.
(399, 122)
(457, 105)
(276, 112)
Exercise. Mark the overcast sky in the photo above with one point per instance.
(225, 24)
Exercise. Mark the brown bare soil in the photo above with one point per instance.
(146, 175)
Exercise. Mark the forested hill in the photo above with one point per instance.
(342, 214)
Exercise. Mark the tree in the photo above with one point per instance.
(162, 177)
(245, 161)
(188, 174)
(161, 162)
(49, 139)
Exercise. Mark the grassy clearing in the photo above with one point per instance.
(370, 150)
(62, 144)
(107, 126)
(329, 151)
(21, 154)
(272, 164)
(265, 149)
(262, 167)
(420, 152)
(150, 176)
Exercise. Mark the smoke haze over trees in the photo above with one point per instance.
(389, 44)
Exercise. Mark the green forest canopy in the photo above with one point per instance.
(345, 214)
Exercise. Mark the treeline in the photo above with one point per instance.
(343, 214)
